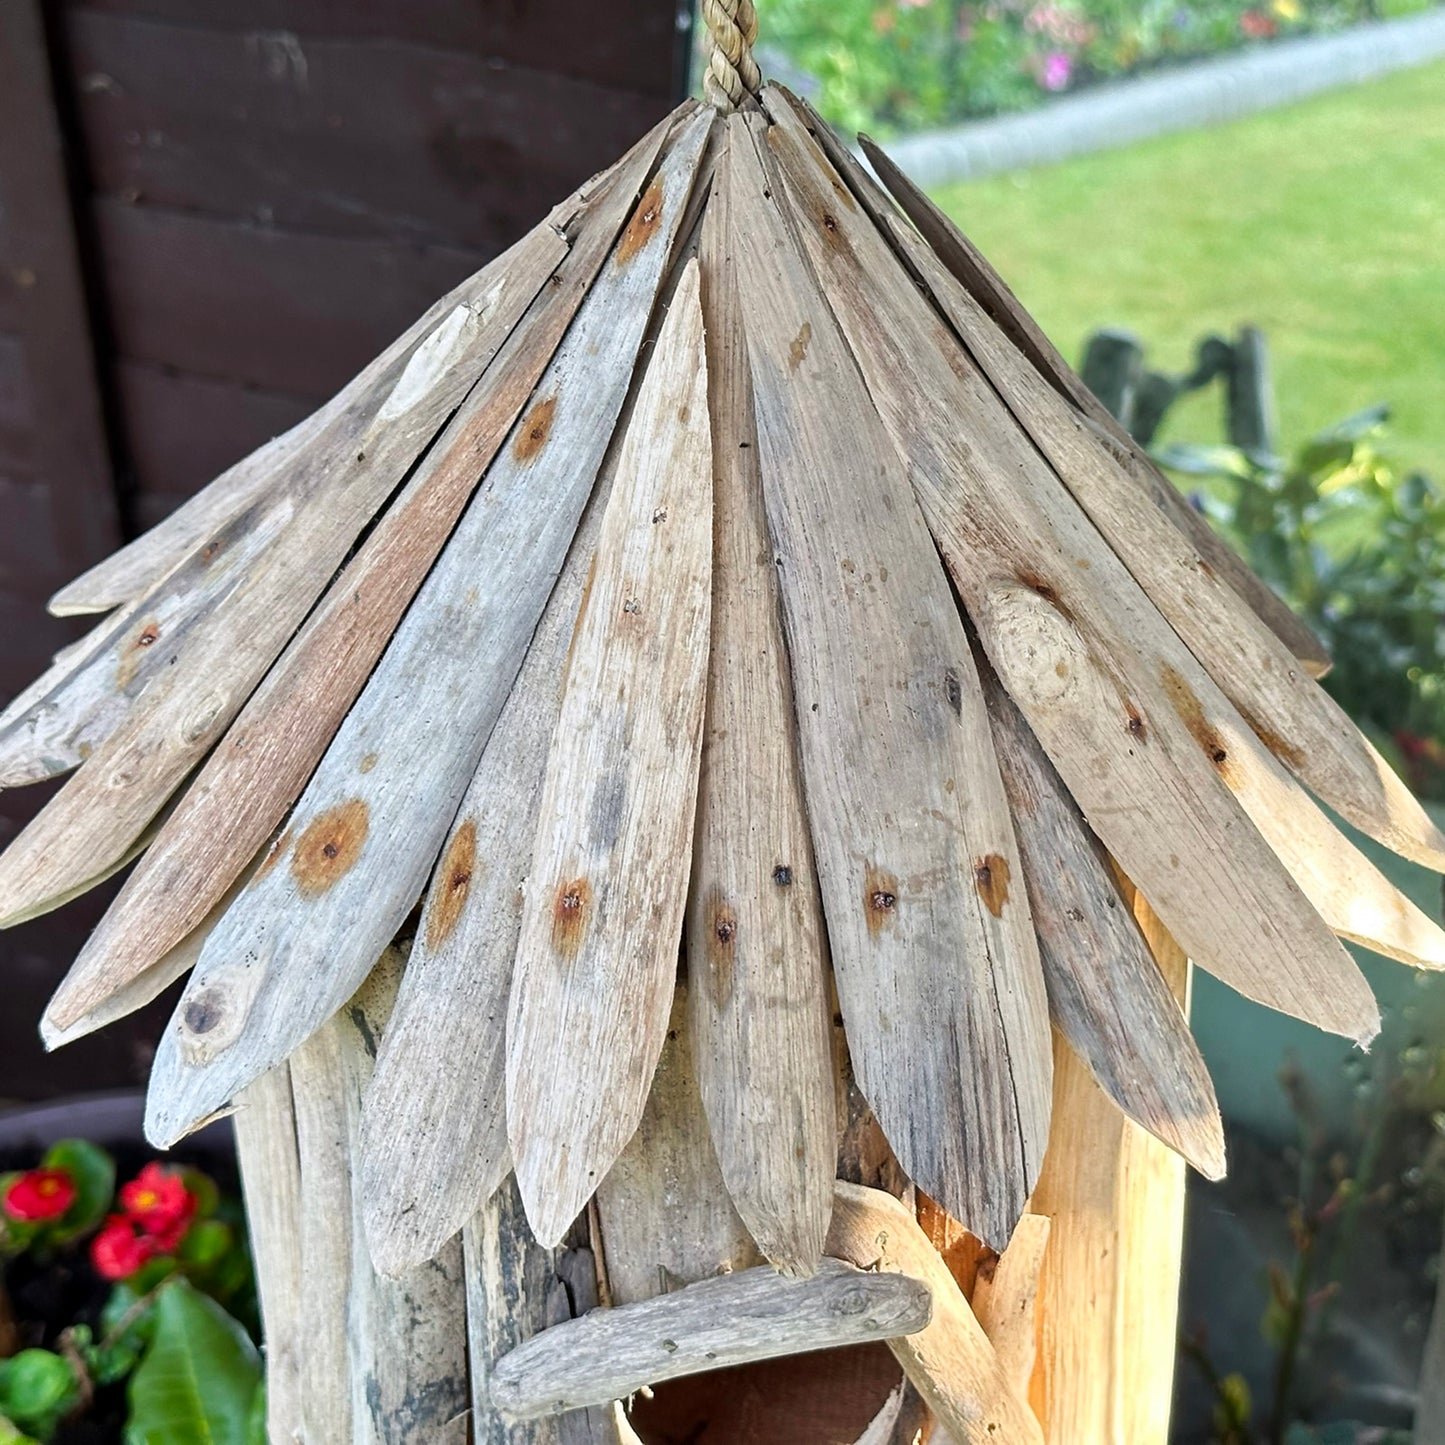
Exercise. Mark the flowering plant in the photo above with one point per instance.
(159, 1262)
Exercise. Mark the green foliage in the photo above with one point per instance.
(1360, 552)
(897, 64)
(37, 1389)
(199, 1377)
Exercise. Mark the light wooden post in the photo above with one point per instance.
(1109, 1290)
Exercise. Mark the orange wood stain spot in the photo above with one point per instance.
(880, 899)
(452, 887)
(569, 916)
(536, 427)
(326, 851)
(644, 224)
(1191, 714)
(799, 348)
(991, 878)
(273, 856)
(134, 649)
(1282, 748)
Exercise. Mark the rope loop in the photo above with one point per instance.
(732, 73)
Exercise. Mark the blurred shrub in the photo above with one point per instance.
(888, 65)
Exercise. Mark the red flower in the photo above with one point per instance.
(1257, 26)
(117, 1252)
(159, 1202)
(40, 1194)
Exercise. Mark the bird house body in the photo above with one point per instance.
(782, 742)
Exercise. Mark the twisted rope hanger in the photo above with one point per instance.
(732, 74)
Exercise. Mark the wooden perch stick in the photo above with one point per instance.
(736, 1319)
(951, 1362)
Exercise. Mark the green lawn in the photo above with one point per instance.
(1322, 223)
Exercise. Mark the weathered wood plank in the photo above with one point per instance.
(1005, 1293)
(973, 270)
(756, 1314)
(950, 1362)
(334, 135)
(602, 916)
(1117, 702)
(260, 766)
(385, 1360)
(663, 1209)
(313, 522)
(1292, 715)
(434, 1127)
(49, 305)
(265, 1126)
(933, 947)
(1108, 1289)
(149, 983)
(756, 945)
(631, 46)
(294, 944)
(516, 1289)
(1106, 995)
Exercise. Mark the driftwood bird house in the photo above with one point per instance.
(782, 741)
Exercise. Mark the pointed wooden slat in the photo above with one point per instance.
(1004, 1296)
(756, 1314)
(264, 760)
(1109, 1287)
(376, 1351)
(951, 1362)
(1115, 699)
(975, 273)
(434, 1125)
(665, 1216)
(265, 1128)
(92, 692)
(371, 821)
(149, 983)
(1291, 713)
(1106, 995)
(755, 941)
(1351, 894)
(100, 812)
(934, 950)
(138, 566)
(516, 1289)
(602, 915)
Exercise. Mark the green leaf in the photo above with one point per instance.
(9, 1435)
(206, 1243)
(93, 1171)
(197, 1382)
(256, 1427)
(37, 1387)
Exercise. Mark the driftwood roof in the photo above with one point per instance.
(732, 568)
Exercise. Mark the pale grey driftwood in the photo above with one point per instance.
(665, 1216)
(515, 1290)
(316, 518)
(244, 789)
(384, 1361)
(933, 948)
(265, 1128)
(1080, 648)
(602, 912)
(757, 1314)
(756, 945)
(296, 942)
